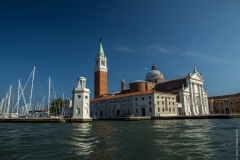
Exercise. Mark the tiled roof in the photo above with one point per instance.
(225, 96)
(114, 96)
(173, 79)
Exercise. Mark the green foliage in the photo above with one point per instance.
(56, 107)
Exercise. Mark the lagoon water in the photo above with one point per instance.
(150, 139)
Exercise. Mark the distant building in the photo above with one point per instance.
(153, 96)
(67, 108)
(225, 104)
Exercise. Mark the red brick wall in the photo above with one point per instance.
(100, 83)
(217, 103)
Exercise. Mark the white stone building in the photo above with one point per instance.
(81, 100)
(148, 103)
(67, 108)
(194, 97)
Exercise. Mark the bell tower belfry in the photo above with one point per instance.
(100, 73)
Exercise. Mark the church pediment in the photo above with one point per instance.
(197, 76)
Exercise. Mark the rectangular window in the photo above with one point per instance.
(113, 111)
(169, 103)
(128, 110)
(150, 102)
(79, 96)
(128, 100)
(172, 103)
(136, 103)
(158, 102)
(135, 99)
(150, 97)
(158, 109)
(172, 98)
(231, 102)
(150, 109)
(162, 97)
(103, 63)
(142, 98)
(237, 102)
(136, 110)
(162, 102)
(109, 112)
(78, 110)
(86, 97)
(157, 97)
(221, 103)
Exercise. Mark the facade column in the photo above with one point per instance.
(186, 105)
(202, 99)
(191, 98)
(194, 98)
(200, 107)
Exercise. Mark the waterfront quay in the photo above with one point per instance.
(83, 120)
(44, 120)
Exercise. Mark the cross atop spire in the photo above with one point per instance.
(100, 50)
(195, 69)
(154, 66)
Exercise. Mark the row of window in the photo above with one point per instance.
(166, 110)
(225, 102)
(80, 96)
(150, 110)
(167, 97)
(163, 103)
(150, 103)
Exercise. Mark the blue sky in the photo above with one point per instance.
(61, 38)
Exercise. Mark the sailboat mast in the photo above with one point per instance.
(19, 85)
(9, 98)
(49, 93)
(30, 103)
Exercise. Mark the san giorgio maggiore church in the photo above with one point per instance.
(153, 96)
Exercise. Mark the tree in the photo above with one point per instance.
(56, 107)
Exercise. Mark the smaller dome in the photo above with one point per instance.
(154, 74)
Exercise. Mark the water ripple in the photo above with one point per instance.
(157, 139)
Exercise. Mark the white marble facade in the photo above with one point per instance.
(194, 97)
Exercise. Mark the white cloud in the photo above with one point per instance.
(204, 57)
(158, 48)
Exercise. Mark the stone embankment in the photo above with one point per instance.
(44, 120)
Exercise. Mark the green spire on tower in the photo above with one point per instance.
(100, 50)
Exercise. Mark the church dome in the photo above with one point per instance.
(154, 75)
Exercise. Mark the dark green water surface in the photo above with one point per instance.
(152, 139)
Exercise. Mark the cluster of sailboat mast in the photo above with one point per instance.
(32, 109)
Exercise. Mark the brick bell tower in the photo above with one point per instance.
(100, 73)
